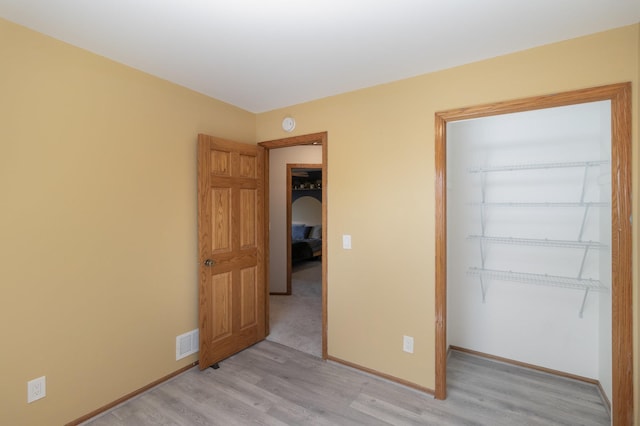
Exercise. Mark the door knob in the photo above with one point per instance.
(208, 262)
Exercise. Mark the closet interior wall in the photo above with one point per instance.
(528, 238)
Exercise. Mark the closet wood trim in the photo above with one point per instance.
(621, 236)
(526, 365)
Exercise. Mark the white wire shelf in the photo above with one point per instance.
(539, 242)
(559, 204)
(514, 167)
(576, 282)
(540, 279)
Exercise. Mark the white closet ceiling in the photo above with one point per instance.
(265, 54)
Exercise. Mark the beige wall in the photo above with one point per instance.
(98, 210)
(381, 187)
(97, 224)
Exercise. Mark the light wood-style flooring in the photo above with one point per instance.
(271, 384)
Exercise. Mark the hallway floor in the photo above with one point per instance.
(296, 320)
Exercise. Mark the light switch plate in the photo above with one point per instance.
(407, 344)
(36, 389)
(346, 242)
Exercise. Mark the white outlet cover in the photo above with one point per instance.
(407, 344)
(36, 389)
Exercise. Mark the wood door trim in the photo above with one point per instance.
(525, 365)
(320, 138)
(621, 253)
(288, 183)
(310, 139)
(267, 236)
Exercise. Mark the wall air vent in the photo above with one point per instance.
(187, 344)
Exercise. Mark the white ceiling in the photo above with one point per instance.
(265, 54)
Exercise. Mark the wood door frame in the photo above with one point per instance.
(289, 202)
(320, 138)
(621, 237)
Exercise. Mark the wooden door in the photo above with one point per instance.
(231, 247)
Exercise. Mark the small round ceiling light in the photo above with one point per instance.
(288, 124)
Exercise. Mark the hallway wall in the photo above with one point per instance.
(278, 160)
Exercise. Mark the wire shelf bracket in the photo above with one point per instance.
(577, 283)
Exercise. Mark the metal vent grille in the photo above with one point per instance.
(187, 344)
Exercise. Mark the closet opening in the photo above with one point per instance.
(534, 239)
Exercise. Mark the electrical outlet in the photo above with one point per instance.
(36, 389)
(407, 344)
